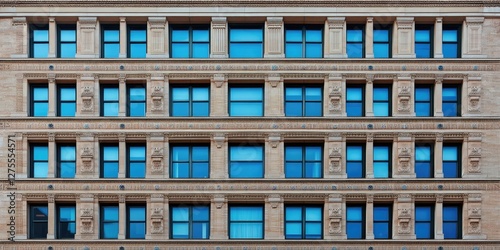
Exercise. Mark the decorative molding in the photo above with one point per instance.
(157, 160)
(335, 160)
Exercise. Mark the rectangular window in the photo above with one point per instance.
(423, 41)
(355, 102)
(382, 96)
(190, 222)
(38, 218)
(66, 221)
(355, 42)
(39, 42)
(39, 100)
(303, 161)
(246, 222)
(137, 41)
(66, 97)
(109, 222)
(109, 161)
(110, 41)
(451, 161)
(303, 101)
(110, 100)
(136, 221)
(303, 222)
(66, 161)
(136, 161)
(189, 161)
(190, 101)
(190, 41)
(424, 167)
(355, 161)
(451, 100)
(304, 41)
(382, 221)
(67, 41)
(424, 221)
(382, 161)
(355, 221)
(452, 221)
(246, 161)
(39, 160)
(246, 41)
(246, 101)
(382, 42)
(423, 100)
(451, 41)
(136, 100)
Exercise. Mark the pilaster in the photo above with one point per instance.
(471, 95)
(404, 39)
(369, 38)
(122, 216)
(438, 156)
(369, 217)
(404, 228)
(471, 158)
(334, 90)
(157, 162)
(438, 96)
(157, 217)
(86, 87)
(438, 218)
(472, 33)
(52, 37)
(52, 156)
(157, 38)
(274, 92)
(85, 147)
(404, 167)
(369, 96)
(122, 155)
(51, 218)
(52, 95)
(218, 217)
(438, 38)
(218, 157)
(219, 95)
(122, 95)
(334, 217)
(86, 218)
(87, 42)
(335, 146)
(404, 86)
(274, 45)
(21, 30)
(473, 218)
(335, 37)
(123, 37)
(157, 91)
(274, 161)
(219, 38)
(369, 156)
(274, 219)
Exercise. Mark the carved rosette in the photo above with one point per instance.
(404, 163)
(474, 158)
(404, 218)
(335, 217)
(87, 220)
(157, 98)
(157, 161)
(87, 99)
(157, 220)
(335, 156)
(87, 158)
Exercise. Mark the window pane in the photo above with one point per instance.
(313, 231)
(138, 50)
(41, 35)
(293, 50)
(293, 108)
(137, 36)
(313, 109)
(246, 214)
(450, 170)
(381, 170)
(200, 94)
(245, 50)
(313, 170)
(293, 213)
(67, 170)
(423, 230)
(422, 94)
(110, 213)
(354, 153)
(354, 230)
(381, 213)
(201, 50)
(180, 94)
(246, 153)
(423, 50)
(246, 109)
(137, 94)
(293, 35)
(381, 50)
(354, 50)
(137, 230)
(200, 170)
(381, 94)
(313, 214)
(313, 94)
(41, 169)
(450, 153)
(41, 50)
(422, 153)
(422, 35)
(40, 153)
(313, 154)
(381, 230)
(111, 35)
(354, 170)
(245, 35)
(201, 109)
(110, 170)
(137, 109)
(137, 153)
(110, 153)
(354, 35)
(381, 109)
(110, 94)
(381, 153)
(450, 230)
(67, 35)
(246, 170)
(246, 94)
(423, 109)
(180, 153)
(423, 213)
(41, 109)
(200, 153)
(180, 170)
(314, 35)
(68, 50)
(67, 153)
(180, 50)
(380, 36)
(450, 35)
(111, 50)
(293, 230)
(450, 109)
(200, 35)
(137, 214)
(354, 94)
(40, 94)
(111, 109)
(293, 170)
(450, 50)
(67, 94)
(314, 50)
(423, 170)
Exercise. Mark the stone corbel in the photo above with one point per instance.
(274, 80)
(219, 140)
(274, 200)
(219, 200)
(157, 161)
(219, 80)
(274, 140)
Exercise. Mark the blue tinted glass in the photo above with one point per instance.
(313, 109)
(422, 36)
(423, 170)
(110, 170)
(450, 153)
(137, 94)
(180, 214)
(293, 108)
(180, 94)
(200, 94)
(314, 50)
(313, 154)
(41, 169)
(354, 94)
(314, 36)
(381, 230)
(246, 214)
(200, 170)
(180, 35)
(180, 109)
(313, 94)
(381, 213)
(110, 94)
(450, 94)
(40, 153)
(111, 35)
(293, 153)
(450, 230)
(354, 50)
(137, 36)
(354, 230)
(200, 213)
(110, 213)
(246, 94)
(200, 35)
(381, 153)
(380, 36)
(137, 214)
(423, 50)
(40, 109)
(180, 230)
(293, 230)
(180, 50)
(110, 230)
(245, 50)
(246, 109)
(422, 153)
(313, 170)
(293, 94)
(200, 153)
(450, 109)
(313, 214)
(110, 153)
(381, 109)
(137, 109)
(293, 213)
(111, 50)
(450, 170)
(354, 35)
(292, 35)
(354, 153)
(180, 170)
(354, 109)
(381, 50)
(423, 109)
(67, 35)
(423, 213)
(67, 153)
(246, 153)
(40, 94)
(180, 153)
(381, 170)
(138, 50)
(450, 35)
(201, 109)
(67, 170)
(380, 94)
(41, 35)
(450, 213)
(68, 50)
(67, 214)
(111, 109)
(200, 50)
(40, 50)
(67, 94)
(245, 35)
(422, 94)
(423, 230)
(293, 170)
(293, 50)
(246, 170)
(354, 170)
(450, 50)
(137, 153)
(137, 230)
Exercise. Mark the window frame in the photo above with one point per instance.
(129, 161)
(61, 27)
(430, 102)
(429, 222)
(103, 221)
(32, 221)
(103, 102)
(191, 220)
(458, 102)
(58, 220)
(363, 159)
(304, 162)
(190, 41)
(388, 101)
(60, 102)
(362, 221)
(303, 221)
(190, 161)
(304, 101)
(458, 28)
(129, 221)
(304, 42)
(363, 99)
(32, 41)
(230, 222)
(361, 27)
(389, 158)
(388, 221)
(387, 27)
(33, 161)
(105, 27)
(190, 102)
(103, 162)
(33, 101)
(238, 86)
(131, 27)
(458, 222)
(458, 170)
(262, 162)
(246, 26)
(60, 161)
(430, 28)
(430, 162)
(129, 101)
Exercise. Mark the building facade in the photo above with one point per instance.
(265, 124)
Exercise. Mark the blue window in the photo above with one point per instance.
(451, 161)
(355, 221)
(189, 161)
(39, 161)
(451, 100)
(382, 218)
(110, 41)
(136, 161)
(38, 221)
(190, 41)
(303, 222)
(246, 222)
(190, 222)
(423, 41)
(136, 100)
(109, 161)
(424, 161)
(109, 226)
(424, 221)
(66, 96)
(246, 41)
(355, 43)
(67, 41)
(303, 161)
(355, 161)
(39, 41)
(136, 221)
(246, 161)
(246, 101)
(304, 41)
(382, 100)
(66, 221)
(109, 100)
(303, 101)
(39, 100)
(451, 41)
(423, 100)
(137, 41)
(190, 101)
(382, 42)
(355, 104)
(452, 221)
(382, 161)
(66, 161)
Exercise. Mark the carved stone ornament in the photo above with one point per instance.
(157, 161)
(87, 220)
(335, 156)
(274, 200)
(157, 98)
(87, 99)
(474, 220)
(219, 80)
(274, 140)
(219, 200)
(157, 220)
(335, 217)
(404, 218)
(474, 158)
(404, 163)
(219, 140)
(335, 104)
(404, 99)
(87, 158)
